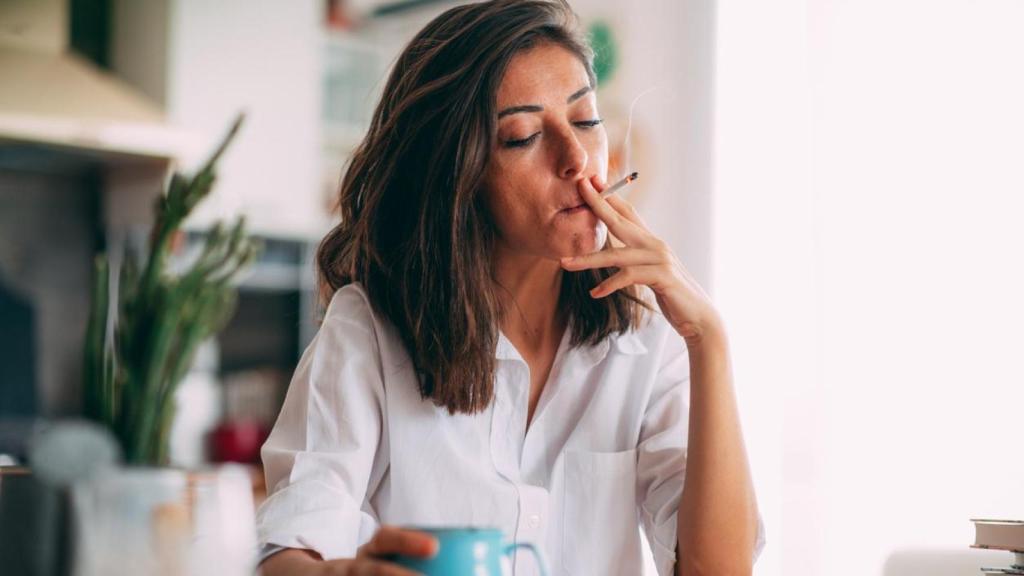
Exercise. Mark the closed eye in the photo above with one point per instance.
(524, 142)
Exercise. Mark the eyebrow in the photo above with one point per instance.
(536, 108)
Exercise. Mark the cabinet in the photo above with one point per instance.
(205, 62)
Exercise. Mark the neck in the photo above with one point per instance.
(528, 288)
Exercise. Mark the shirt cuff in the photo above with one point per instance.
(760, 542)
(662, 538)
(326, 522)
(267, 551)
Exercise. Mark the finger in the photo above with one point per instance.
(620, 204)
(618, 257)
(624, 207)
(380, 568)
(617, 224)
(641, 275)
(393, 540)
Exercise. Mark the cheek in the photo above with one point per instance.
(513, 210)
(516, 188)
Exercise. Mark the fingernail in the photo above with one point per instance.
(568, 259)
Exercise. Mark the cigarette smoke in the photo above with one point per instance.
(627, 148)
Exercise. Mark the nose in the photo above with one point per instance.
(573, 157)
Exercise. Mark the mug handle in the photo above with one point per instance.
(511, 548)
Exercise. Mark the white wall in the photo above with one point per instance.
(867, 252)
(668, 62)
(761, 266)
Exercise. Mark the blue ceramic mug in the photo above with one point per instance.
(468, 552)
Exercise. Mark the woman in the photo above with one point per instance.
(486, 357)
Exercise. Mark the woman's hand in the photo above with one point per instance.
(646, 260)
(369, 560)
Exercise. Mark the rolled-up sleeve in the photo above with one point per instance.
(326, 445)
(661, 456)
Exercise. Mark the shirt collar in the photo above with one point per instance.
(505, 350)
(625, 343)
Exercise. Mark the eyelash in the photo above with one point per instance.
(584, 124)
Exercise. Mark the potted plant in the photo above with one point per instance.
(141, 341)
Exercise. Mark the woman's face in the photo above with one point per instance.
(549, 138)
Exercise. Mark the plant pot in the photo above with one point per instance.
(165, 522)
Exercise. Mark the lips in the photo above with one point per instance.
(575, 209)
(579, 203)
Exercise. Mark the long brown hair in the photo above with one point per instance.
(415, 230)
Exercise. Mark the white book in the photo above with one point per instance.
(1001, 571)
(999, 534)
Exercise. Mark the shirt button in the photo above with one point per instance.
(534, 520)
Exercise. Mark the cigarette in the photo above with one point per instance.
(615, 187)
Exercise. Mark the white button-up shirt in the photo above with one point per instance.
(605, 454)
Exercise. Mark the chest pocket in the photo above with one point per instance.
(600, 528)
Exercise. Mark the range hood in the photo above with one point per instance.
(51, 96)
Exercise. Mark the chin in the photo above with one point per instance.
(585, 241)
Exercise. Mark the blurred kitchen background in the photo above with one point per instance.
(845, 178)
